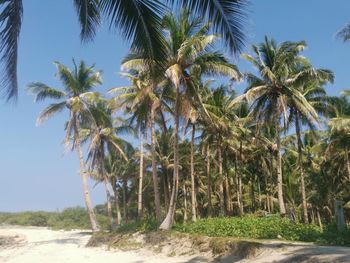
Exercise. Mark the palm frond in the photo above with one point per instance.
(10, 26)
(89, 17)
(140, 21)
(49, 111)
(42, 91)
(228, 18)
(344, 33)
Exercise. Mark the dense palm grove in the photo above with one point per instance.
(197, 148)
(201, 150)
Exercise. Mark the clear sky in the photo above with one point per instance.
(35, 174)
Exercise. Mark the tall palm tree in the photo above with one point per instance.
(138, 21)
(339, 144)
(221, 116)
(75, 96)
(272, 91)
(142, 100)
(188, 46)
(309, 82)
(103, 141)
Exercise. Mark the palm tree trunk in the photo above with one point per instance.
(169, 219)
(193, 190)
(154, 168)
(139, 197)
(229, 204)
(109, 203)
(259, 193)
(221, 183)
(210, 208)
(347, 158)
(116, 200)
(301, 168)
(227, 195)
(94, 224)
(253, 195)
(125, 197)
(271, 192)
(166, 188)
(268, 207)
(279, 165)
(239, 180)
(319, 218)
(185, 201)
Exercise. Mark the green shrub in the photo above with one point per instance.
(69, 218)
(139, 226)
(331, 236)
(25, 218)
(253, 227)
(266, 228)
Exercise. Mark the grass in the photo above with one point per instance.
(68, 219)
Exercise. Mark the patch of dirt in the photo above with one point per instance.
(8, 241)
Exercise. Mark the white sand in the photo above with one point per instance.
(41, 245)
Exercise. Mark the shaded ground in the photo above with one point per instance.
(32, 244)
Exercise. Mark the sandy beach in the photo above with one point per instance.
(38, 244)
(34, 245)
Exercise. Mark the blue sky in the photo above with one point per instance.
(35, 174)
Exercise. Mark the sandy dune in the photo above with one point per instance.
(36, 245)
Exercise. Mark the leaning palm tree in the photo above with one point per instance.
(272, 91)
(103, 141)
(75, 96)
(138, 21)
(188, 48)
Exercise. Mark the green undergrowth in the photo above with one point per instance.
(273, 227)
(138, 226)
(69, 218)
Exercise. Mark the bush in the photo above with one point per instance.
(331, 236)
(267, 228)
(25, 218)
(69, 218)
(138, 226)
(253, 227)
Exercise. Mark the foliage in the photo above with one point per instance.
(68, 219)
(138, 226)
(271, 227)
(250, 227)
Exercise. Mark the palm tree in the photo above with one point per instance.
(309, 82)
(111, 166)
(188, 47)
(272, 91)
(221, 116)
(139, 21)
(103, 140)
(339, 144)
(77, 91)
(142, 100)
